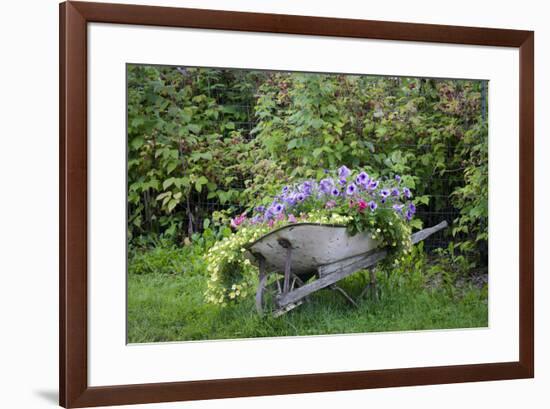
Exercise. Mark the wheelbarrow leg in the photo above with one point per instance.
(371, 286)
(261, 285)
(344, 294)
(373, 283)
(288, 264)
(297, 282)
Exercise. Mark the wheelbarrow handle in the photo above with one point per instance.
(422, 234)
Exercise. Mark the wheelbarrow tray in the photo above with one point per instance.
(313, 245)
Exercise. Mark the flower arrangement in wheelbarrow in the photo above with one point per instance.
(380, 208)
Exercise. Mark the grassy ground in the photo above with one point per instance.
(170, 307)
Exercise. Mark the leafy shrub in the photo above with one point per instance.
(191, 149)
(183, 146)
(409, 272)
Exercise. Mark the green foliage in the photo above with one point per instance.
(191, 148)
(471, 198)
(184, 148)
(409, 272)
(388, 228)
(430, 131)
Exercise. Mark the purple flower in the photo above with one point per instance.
(409, 215)
(326, 185)
(372, 205)
(342, 181)
(330, 204)
(373, 184)
(412, 208)
(268, 214)
(285, 189)
(291, 218)
(300, 197)
(343, 172)
(277, 208)
(407, 192)
(384, 193)
(395, 192)
(306, 187)
(398, 178)
(290, 199)
(362, 177)
(256, 219)
(351, 189)
(335, 192)
(398, 208)
(260, 209)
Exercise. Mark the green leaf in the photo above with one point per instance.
(223, 197)
(416, 223)
(181, 182)
(172, 204)
(171, 166)
(164, 195)
(171, 230)
(194, 128)
(292, 144)
(167, 183)
(137, 121)
(137, 142)
(201, 155)
(317, 123)
(423, 199)
(381, 131)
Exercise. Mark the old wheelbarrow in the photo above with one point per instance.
(299, 259)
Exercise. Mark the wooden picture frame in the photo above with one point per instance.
(73, 257)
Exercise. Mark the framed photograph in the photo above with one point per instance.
(259, 204)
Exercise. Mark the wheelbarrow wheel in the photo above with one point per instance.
(269, 287)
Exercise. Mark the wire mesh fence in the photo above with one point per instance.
(439, 208)
(430, 214)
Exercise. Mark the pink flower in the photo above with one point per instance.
(237, 221)
(271, 223)
(330, 204)
(362, 205)
(291, 218)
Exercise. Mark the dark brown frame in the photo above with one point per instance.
(73, 381)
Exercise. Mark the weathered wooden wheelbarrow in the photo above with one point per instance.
(308, 257)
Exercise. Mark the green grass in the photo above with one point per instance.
(170, 307)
